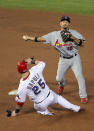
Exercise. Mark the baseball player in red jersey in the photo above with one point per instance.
(32, 84)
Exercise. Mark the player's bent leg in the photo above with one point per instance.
(61, 71)
(60, 78)
(66, 104)
(42, 108)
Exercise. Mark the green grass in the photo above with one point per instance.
(66, 6)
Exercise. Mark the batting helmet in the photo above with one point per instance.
(22, 67)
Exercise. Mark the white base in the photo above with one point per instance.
(13, 92)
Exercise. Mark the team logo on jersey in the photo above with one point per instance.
(59, 45)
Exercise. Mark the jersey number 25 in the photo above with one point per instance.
(36, 89)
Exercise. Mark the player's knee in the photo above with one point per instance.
(40, 107)
(80, 77)
(58, 79)
(59, 99)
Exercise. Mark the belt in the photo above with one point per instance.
(44, 99)
(69, 56)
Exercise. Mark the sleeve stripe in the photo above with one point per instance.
(20, 103)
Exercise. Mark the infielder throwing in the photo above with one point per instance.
(66, 42)
(32, 84)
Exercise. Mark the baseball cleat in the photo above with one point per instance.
(77, 109)
(60, 89)
(84, 100)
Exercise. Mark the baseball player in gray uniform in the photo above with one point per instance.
(66, 42)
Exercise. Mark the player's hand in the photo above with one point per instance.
(28, 61)
(26, 37)
(13, 113)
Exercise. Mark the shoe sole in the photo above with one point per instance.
(84, 102)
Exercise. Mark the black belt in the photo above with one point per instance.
(44, 99)
(69, 56)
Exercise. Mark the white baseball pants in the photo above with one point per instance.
(53, 98)
(76, 66)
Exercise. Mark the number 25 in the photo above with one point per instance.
(36, 88)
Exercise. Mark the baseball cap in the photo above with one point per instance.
(65, 18)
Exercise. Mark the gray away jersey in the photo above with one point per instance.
(65, 49)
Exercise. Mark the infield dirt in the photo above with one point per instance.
(13, 25)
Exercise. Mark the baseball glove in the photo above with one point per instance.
(66, 35)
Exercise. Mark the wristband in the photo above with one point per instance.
(17, 110)
(80, 43)
(36, 39)
(8, 113)
(32, 61)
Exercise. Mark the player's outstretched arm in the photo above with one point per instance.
(35, 39)
(31, 61)
(14, 112)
